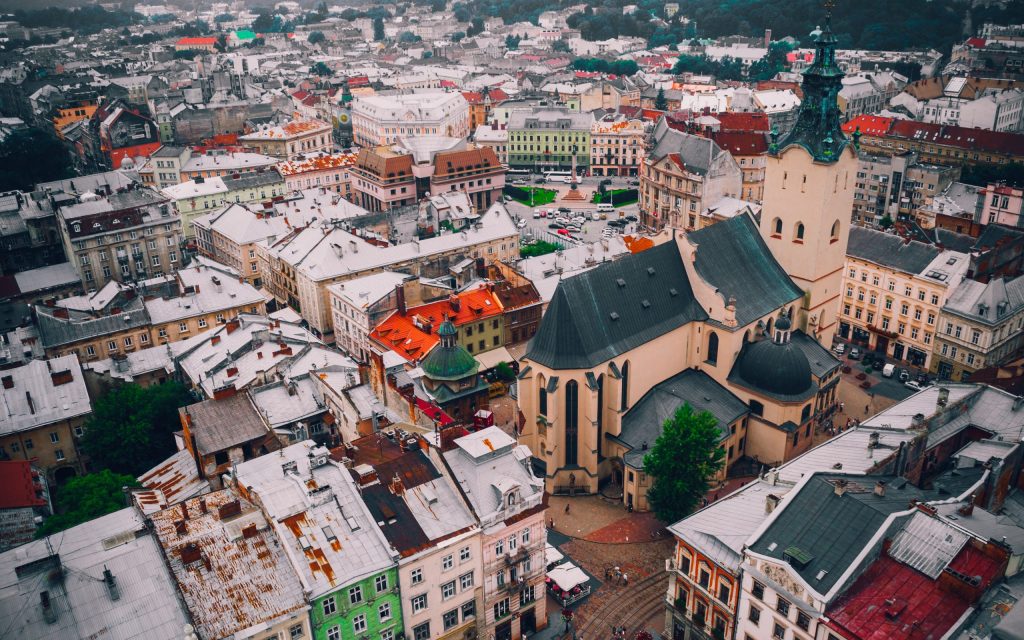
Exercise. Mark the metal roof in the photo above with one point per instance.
(42, 392)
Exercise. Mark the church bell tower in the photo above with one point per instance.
(808, 194)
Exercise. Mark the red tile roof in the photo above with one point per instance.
(191, 42)
(401, 334)
(742, 143)
(735, 121)
(869, 125)
(977, 43)
(17, 479)
(891, 601)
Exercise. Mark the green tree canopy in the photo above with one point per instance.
(614, 67)
(476, 26)
(223, 17)
(378, 29)
(512, 42)
(725, 69)
(132, 427)
(684, 458)
(30, 156)
(408, 37)
(316, 37)
(660, 103)
(85, 498)
(320, 69)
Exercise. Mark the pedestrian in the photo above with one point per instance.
(625, 580)
(551, 524)
(842, 407)
(867, 408)
(567, 507)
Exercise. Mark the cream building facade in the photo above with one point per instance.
(617, 146)
(893, 292)
(385, 119)
(289, 141)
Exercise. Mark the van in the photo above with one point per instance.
(888, 370)
(606, 207)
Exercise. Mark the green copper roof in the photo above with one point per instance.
(244, 34)
(449, 360)
(818, 126)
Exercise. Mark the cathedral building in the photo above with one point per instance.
(735, 319)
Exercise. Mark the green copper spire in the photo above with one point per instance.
(818, 126)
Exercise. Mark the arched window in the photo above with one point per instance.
(834, 235)
(712, 348)
(542, 396)
(624, 397)
(571, 423)
(799, 234)
(777, 226)
(600, 416)
(806, 413)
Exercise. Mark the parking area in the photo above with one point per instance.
(868, 366)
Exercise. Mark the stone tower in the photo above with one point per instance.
(808, 194)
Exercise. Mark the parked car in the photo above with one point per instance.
(579, 220)
(839, 349)
(888, 370)
(563, 232)
(634, 183)
(922, 378)
(521, 224)
(913, 384)
(565, 210)
(556, 225)
(904, 375)
(539, 181)
(855, 353)
(536, 214)
(632, 218)
(573, 228)
(606, 182)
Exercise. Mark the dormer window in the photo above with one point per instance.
(510, 500)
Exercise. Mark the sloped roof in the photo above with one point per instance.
(618, 306)
(732, 256)
(890, 250)
(220, 424)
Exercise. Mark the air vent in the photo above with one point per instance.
(650, 271)
(620, 282)
(673, 292)
(646, 304)
(613, 315)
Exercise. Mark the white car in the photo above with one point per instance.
(913, 384)
(562, 220)
(579, 220)
(521, 224)
(839, 349)
(567, 179)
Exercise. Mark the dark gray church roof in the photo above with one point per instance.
(643, 422)
(890, 250)
(732, 256)
(602, 313)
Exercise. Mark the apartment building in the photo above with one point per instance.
(617, 146)
(47, 405)
(201, 195)
(979, 326)
(1002, 204)
(173, 165)
(384, 119)
(893, 291)
(358, 305)
(383, 179)
(897, 187)
(495, 137)
(549, 138)
(324, 170)
(683, 175)
(291, 140)
(936, 143)
(476, 172)
(126, 236)
(508, 502)
(749, 150)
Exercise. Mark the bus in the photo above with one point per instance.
(519, 172)
(557, 176)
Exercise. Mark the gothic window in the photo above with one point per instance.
(712, 348)
(624, 398)
(834, 235)
(571, 423)
(799, 234)
(777, 226)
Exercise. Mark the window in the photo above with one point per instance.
(799, 232)
(295, 631)
(542, 398)
(54, 438)
(28, 444)
(571, 417)
(359, 623)
(183, 326)
(334, 633)
(712, 356)
(202, 323)
(803, 620)
(464, 554)
(79, 431)
(756, 408)
(448, 590)
(704, 577)
(466, 580)
(355, 595)
(419, 603)
(59, 454)
(782, 606)
(447, 562)
(512, 541)
(381, 583)
(526, 536)
(421, 632)
(329, 606)
(624, 400)
(499, 548)
(779, 631)
(128, 341)
(777, 226)
(144, 338)
(501, 609)
(469, 609)
(416, 576)
(754, 615)
(450, 619)
(758, 590)
(384, 611)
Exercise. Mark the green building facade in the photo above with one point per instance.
(368, 609)
(547, 138)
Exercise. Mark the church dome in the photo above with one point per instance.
(776, 366)
(449, 360)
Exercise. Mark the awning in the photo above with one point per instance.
(491, 359)
(567, 576)
(551, 554)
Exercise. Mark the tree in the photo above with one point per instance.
(223, 17)
(512, 42)
(660, 103)
(378, 29)
(30, 156)
(222, 42)
(504, 372)
(132, 427)
(321, 69)
(316, 37)
(458, 36)
(85, 498)
(408, 37)
(684, 458)
(561, 45)
(427, 55)
(263, 23)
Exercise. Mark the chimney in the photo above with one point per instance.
(1018, 402)
(455, 302)
(967, 508)
(8, 382)
(397, 487)
(202, 505)
(770, 502)
(943, 398)
(400, 299)
(873, 440)
(880, 488)
(48, 612)
(917, 422)
(229, 509)
(840, 487)
(184, 511)
(111, 582)
(31, 405)
(215, 340)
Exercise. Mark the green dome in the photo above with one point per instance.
(449, 360)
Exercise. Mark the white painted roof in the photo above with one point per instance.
(34, 400)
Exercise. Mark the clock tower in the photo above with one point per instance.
(808, 192)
